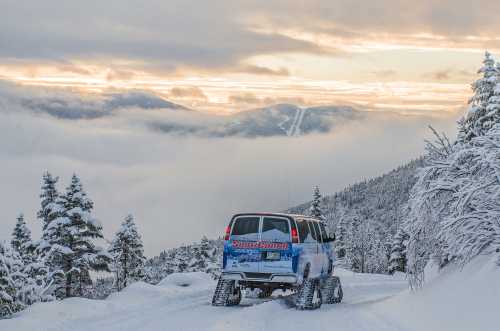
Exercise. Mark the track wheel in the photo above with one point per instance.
(226, 293)
(332, 289)
(309, 295)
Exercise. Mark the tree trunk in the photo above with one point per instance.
(68, 284)
(125, 271)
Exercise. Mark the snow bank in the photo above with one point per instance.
(173, 286)
(132, 302)
(454, 299)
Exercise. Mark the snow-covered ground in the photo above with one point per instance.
(466, 300)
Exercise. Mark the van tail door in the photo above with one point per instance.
(276, 245)
(244, 253)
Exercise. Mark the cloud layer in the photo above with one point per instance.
(180, 188)
(165, 36)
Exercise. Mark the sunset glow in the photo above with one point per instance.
(257, 55)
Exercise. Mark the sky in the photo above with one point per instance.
(412, 62)
(224, 56)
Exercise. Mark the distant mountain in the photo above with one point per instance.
(289, 120)
(278, 120)
(140, 100)
(76, 108)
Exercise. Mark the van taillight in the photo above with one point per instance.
(295, 236)
(228, 231)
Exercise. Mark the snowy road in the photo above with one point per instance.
(171, 306)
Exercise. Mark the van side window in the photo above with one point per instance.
(323, 231)
(275, 229)
(246, 228)
(313, 232)
(303, 230)
(318, 232)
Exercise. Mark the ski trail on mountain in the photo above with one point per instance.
(299, 123)
(294, 122)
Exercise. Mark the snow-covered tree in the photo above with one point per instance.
(182, 259)
(492, 115)
(341, 238)
(21, 237)
(359, 243)
(48, 199)
(455, 204)
(316, 210)
(70, 239)
(397, 259)
(478, 120)
(128, 253)
(204, 256)
(8, 290)
(426, 213)
(29, 272)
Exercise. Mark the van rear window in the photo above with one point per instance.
(246, 228)
(275, 229)
(303, 230)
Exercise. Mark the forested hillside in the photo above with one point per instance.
(366, 217)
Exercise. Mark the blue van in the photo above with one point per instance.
(269, 251)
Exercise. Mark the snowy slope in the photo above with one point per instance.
(454, 300)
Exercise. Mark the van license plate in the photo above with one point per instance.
(273, 255)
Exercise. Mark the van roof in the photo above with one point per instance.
(289, 216)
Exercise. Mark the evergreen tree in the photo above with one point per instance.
(8, 291)
(315, 210)
(493, 107)
(21, 237)
(455, 204)
(397, 260)
(182, 258)
(30, 273)
(341, 238)
(48, 198)
(128, 253)
(70, 237)
(477, 120)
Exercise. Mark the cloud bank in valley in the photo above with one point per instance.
(182, 187)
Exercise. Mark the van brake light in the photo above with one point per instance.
(295, 237)
(228, 231)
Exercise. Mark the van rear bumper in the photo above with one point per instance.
(260, 277)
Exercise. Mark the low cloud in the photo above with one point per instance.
(450, 74)
(120, 74)
(64, 104)
(188, 93)
(386, 73)
(257, 70)
(252, 100)
(182, 187)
